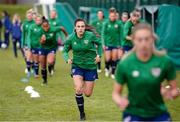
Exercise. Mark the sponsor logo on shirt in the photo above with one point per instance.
(156, 72)
(135, 73)
(116, 25)
(51, 34)
(54, 23)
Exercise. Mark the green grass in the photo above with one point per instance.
(12, 9)
(57, 101)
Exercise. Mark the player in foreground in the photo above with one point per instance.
(87, 51)
(143, 70)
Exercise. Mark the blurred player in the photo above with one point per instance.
(143, 70)
(87, 51)
(111, 36)
(7, 27)
(60, 37)
(16, 33)
(127, 31)
(48, 48)
(98, 24)
(34, 35)
(24, 41)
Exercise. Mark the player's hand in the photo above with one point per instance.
(169, 93)
(43, 39)
(104, 48)
(69, 61)
(97, 59)
(123, 103)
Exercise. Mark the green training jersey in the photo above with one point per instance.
(34, 36)
(111, 33)
(50, 35)
(56, 23)
(25, 29)
(84, 50)
(144, 80)
(98, 24)
(127, 31)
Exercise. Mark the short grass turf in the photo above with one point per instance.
(57, 102)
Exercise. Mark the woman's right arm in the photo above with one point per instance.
(117, 97)
(66, 49)
(122, 102)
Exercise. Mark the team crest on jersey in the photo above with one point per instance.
(26, 26)
(116, 25)
(109, 26)
(35, 29)
(135, 73)
(156, 71)
(98, 23)
(86, 41)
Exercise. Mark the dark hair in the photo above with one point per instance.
(5, 13)
(87, 27)
(101, 11)
(44, 20)
(78, 20)
(112, 10)
(137, 10)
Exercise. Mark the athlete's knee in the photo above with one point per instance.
(50, 61)
(78, 89)
(88, 94)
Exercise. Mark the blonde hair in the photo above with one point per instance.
(16, 17)
(145, 26)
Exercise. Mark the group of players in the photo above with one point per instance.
(143, 68)
(39, 42)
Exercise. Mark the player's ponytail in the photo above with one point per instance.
(44, 20)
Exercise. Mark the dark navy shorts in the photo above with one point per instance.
(165, 117)
(127, 48)
(45, 52)
(35, 50)
(88, 75)
(110, 48)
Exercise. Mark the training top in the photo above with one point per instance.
(34, 36)
(143, 80)
(25, 29)
(127, 31)
(50, 35)
(111, 33)
(84, 50)
(98, 24)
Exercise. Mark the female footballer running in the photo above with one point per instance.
(98, 24)
(24, 41)
(143, 70)
(111, 36)
(48, 47)
(34, 35)
(87, 51)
